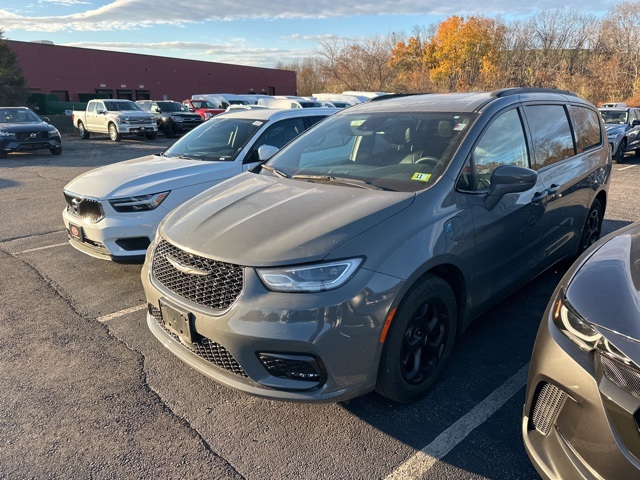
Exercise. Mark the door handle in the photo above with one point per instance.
(538, 197)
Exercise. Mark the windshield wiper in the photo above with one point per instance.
(351, 182)
(275, 171)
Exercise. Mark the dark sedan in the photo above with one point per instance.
(582, 412)
(22, 130)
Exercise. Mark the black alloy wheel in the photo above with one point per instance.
(419, 341)
(592, 227)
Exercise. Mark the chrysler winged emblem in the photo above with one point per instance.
(188, 270)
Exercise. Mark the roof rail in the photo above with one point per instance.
(390, 95)
(504, 92)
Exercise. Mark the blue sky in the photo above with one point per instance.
(247, 32)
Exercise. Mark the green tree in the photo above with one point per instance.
(13, 86)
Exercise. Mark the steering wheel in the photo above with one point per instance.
(428, 161)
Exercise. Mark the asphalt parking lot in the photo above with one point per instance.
(87, 392)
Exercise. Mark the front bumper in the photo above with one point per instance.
(14, 145)
(337, 331)
(576, 422)
(122, 239)
(128, 129)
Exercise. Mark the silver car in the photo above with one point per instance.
(353, 259)
(582, 406)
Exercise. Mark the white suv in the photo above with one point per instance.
(112, 212)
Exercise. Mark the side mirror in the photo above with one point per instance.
(101, 112)
(509, 179)
(46, 119)
(635, 123)
(157, 109)
(265, 152)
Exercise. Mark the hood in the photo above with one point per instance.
(256, 220)
(614, 128)
(25, 127)
(150, 174)
(606, 288)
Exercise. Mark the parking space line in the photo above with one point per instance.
(126, 311)
(42, 248)
(420, 463)
(627, 168)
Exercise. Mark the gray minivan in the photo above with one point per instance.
(353, 258)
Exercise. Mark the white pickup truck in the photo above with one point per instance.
(115, 117)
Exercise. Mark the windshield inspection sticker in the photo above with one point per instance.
(423, 177)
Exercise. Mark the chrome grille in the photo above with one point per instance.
(140, 120)
(624, 376)
(206, 349)
(84, 208)
(201, 280)
(547, 407)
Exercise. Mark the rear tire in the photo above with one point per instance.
(113, 133)
(592, 227)
(419, 341)
(84, 134)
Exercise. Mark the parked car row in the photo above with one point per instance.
(320, 254)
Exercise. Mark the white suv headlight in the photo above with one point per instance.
(309, 278)
(139, 203)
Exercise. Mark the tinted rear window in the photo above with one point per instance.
(586, 126)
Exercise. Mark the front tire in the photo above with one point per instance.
(151, 136)
(622, 148)
(593, 227)
(84, 133)
(419, 341)
(56, 151)
(113, 133)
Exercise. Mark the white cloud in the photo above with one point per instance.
(133, 14)
(236, 52)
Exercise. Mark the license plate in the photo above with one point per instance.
(177, 322)
(76, 232)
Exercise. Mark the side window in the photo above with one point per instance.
(311, 121)
(93, 106)
(502, 143)
(551, 134)
(586, 126)
(276, 135)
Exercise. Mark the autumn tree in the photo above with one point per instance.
(409, 62)
(13, 86)
(465, 53)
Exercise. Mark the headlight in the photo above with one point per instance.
(177, 119)
(309, 278)
(612, 135)
(574, 327)
(7, 134)
(52, 130)
(121, 120)
(140, 203)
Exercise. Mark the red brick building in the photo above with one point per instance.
(76, 74)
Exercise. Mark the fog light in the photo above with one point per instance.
(294, 367)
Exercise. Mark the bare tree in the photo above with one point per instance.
(350, 65)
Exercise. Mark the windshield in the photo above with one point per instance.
(393, 151)
(172, 107)
(221, 138)
(614, 116)
(21, 115)
(121, 106)
(202, 104)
